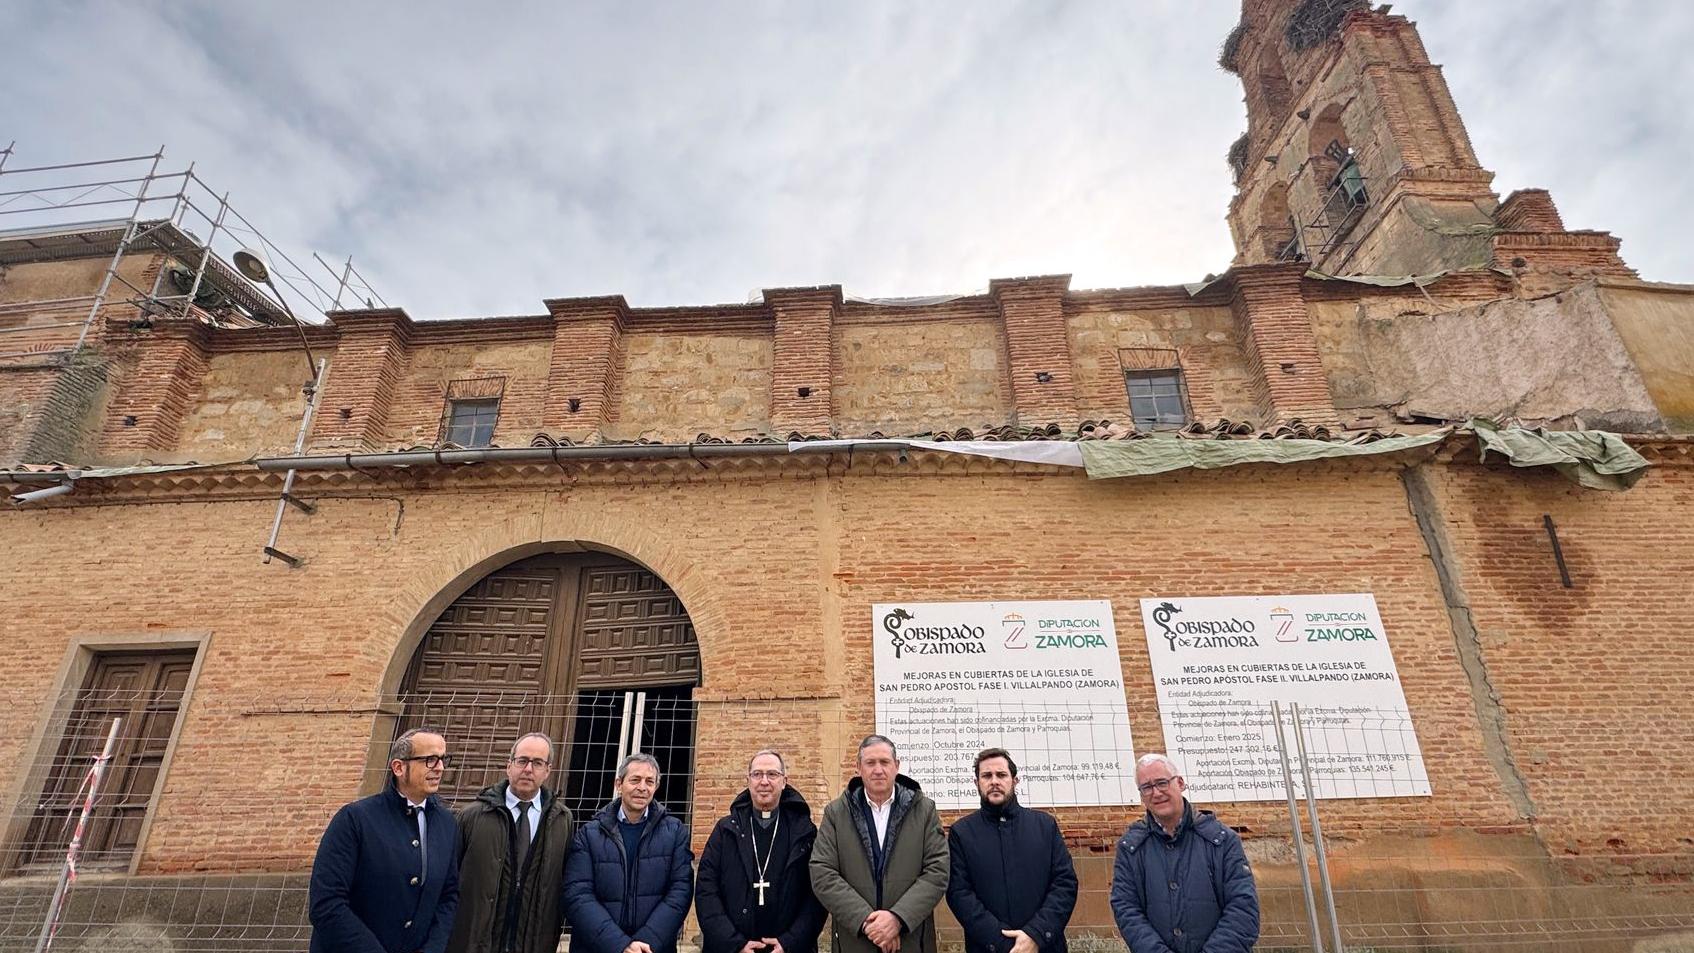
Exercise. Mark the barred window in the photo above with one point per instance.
(1156, 399)
(470, 423)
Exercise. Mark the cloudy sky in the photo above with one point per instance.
(693, 152)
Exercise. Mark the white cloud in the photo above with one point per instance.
(686, 153)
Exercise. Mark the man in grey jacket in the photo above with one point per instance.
(880, 863)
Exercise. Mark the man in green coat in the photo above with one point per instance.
(880, 861)
(512, 844)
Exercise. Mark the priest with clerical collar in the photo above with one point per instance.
(753, 893)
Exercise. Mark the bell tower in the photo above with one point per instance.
(1355, 158)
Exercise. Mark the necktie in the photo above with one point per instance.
(523, 836)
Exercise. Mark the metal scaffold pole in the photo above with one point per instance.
(288, 498)
(118, 255)
(67, 873)
(1294, 824)
(1317, 832)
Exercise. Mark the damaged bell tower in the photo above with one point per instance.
(1355, 158)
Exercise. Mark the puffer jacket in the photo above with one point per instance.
(611, 899)
(1187, 893)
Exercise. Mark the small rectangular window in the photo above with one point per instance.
(470, 423)
(1156, 399)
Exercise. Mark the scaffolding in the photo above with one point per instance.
(44, 217)
(1329, 233)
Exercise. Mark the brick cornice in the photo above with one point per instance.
(597, 307)
(393, 321)
(816, 296)
(1032, 286)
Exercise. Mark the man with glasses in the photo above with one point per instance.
(1181, 882)
(512, 844)
(386, 876)
(754, 892)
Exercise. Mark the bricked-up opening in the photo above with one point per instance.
(1276, 225)
(144, 690)
(1272, 90)
(596, 651)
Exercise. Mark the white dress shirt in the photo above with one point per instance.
(534, 807)
(879, 816)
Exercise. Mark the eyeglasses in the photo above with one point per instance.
(1157, 784)
(432, 761)
(765, 775)
(536, 763)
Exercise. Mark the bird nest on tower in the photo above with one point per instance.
(1237, 157)
(1315, 21)
(1232, 48)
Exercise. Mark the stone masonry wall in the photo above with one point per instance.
(917, 376)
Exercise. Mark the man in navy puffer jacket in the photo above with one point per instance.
(1181, 883)
(628, 880)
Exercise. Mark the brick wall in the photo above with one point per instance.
(1206, 342)
(676, 386)
(805, 551)
(1591, 679)
(145, 415)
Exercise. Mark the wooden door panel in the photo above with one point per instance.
(542, 646)
(634, 631)
(479, 673)
(145, 690)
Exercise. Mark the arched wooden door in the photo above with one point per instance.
(594, 650)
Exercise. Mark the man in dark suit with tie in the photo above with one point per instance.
(386, 877)
(512, 844)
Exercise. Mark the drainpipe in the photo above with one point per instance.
(684, 451)
(33, 496)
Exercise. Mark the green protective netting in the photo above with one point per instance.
(1120, 458)
(1592, 458)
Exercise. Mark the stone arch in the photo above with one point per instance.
(1274, 228)
(1327, 127)
(417, 606)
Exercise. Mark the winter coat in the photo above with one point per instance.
(1011, 871)
(1186, 893)
(914, 877)
(724, 896)
(611, 899)
(487, 834)
(370, 892)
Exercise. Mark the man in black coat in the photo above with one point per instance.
(386, 877)
(1013, 886)
(754, 892)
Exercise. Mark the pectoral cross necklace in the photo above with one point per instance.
(764, 881)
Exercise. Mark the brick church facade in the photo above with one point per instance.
(588, 521)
